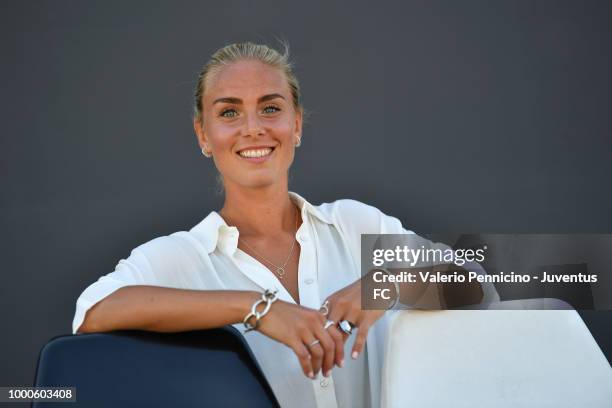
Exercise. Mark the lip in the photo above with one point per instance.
(256, 159)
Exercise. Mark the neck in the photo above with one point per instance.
(259, 211)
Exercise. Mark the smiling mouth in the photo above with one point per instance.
(256, 153)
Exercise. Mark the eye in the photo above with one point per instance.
(271, 109)
(228, 113)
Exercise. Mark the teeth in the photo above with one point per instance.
(256, 152)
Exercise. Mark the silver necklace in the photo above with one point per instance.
(280, 270)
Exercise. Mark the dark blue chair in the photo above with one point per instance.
(204, 368)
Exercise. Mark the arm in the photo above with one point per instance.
(163, 309)
(167, 309)
(144, 293)
(420, 294)
(349, 304)
(353, 219)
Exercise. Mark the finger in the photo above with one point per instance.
(316, 356)
(339, 341)
(329, 349)
(337, 314)
(303, 356)
(354, 317)
(362, 334)
(336, 311)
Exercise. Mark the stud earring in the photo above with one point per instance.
(299, 141)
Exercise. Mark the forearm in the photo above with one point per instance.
(163, 309)
(427, 288)
(449, 289)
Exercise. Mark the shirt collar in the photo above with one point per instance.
(308, 208)
(213, 231)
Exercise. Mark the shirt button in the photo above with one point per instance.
(308, 281)
(324, 382)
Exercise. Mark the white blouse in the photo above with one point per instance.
(208, 258)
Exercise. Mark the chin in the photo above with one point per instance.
(260, 178)
(259, 182)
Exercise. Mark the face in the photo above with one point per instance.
(250, 124)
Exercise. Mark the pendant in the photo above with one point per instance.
(280, 271)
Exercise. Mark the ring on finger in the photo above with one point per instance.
(328, 324)
(324, 308)
(346, 326)
(316, 341)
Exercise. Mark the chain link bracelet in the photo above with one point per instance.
(268, 297)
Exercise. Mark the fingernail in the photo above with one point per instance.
(311, 375)
(326, 374)
(354, 355)
(341, 363)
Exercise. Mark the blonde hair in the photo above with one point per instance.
(244, 51)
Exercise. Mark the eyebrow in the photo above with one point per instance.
(238, 101)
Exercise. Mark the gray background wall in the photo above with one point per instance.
(471, 116)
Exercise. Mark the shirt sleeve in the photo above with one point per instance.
(131, 271)
(168, 261)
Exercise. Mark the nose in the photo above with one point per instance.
(252, 126)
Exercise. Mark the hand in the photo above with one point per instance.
(298, 326)
(345, 304)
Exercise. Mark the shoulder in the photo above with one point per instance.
(163, 244)
(357, 217)
(169, 251)
(347, 209)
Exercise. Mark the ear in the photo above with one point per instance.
(299, 116)
(198, 128)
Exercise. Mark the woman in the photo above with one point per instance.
(248, 120)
